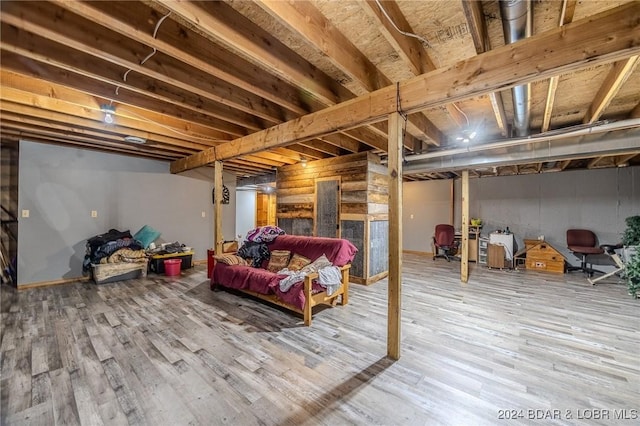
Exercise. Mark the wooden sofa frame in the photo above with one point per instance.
(311, 300)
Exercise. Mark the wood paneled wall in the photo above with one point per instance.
(363, 206)
(363, 186)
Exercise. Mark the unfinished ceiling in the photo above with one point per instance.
(182, 77)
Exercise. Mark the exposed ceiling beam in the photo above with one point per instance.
(307, 21)
(410, 49)
(105, 88)
(611, 36)
(220, 23)
(192, 49)
(615, 79)
(72, 140)
(477, 25)
(232, 121)
(566, 16)
(45, 126)
(44, 107)
(244, 108)
(149, 121)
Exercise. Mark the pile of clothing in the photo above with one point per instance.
(255, 249)
(113, 247)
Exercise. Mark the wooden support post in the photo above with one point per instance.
(395, 235)
(218, 238)
(452, 200)
(464, 264)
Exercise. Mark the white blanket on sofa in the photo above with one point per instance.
(329, 277)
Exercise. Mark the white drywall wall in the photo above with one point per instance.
(550, 203)
(246, 209)
(425, 204)
(60, 186)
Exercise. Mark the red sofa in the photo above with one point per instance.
(302, 296)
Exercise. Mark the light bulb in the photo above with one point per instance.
(108, 110)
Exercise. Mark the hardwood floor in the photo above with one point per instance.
(168, 351)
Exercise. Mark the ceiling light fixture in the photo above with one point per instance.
(303, 162)
(466, 136)
(109, 112)
(134, 139)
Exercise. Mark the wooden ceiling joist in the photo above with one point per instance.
(196, 52)
(94, 85)
(566, 16)
(611, 37)
(617, 76)
(474, 15)
(308, 22)
(112, 74)
(35, 34)
(71, 140)
(146, 120)
(55, 110)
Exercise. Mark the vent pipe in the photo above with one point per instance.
(517, 24)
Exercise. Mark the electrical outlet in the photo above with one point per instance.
(411, 216)
(94, 213)
(204, 214)
(25, 213)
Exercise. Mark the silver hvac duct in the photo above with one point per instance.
(517, 24)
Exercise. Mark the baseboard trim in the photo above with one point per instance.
(419, 253)
(52, 282)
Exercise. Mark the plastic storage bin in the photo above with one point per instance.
(172, 267)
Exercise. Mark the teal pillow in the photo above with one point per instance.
(146, 235)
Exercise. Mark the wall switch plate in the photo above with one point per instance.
(25, 213)
(204, 214)
(94, 213)
(411, 216)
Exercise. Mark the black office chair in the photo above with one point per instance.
(444, 243)
(583, 243)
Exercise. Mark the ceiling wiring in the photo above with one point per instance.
(461, 112)
(153, 52)
(410, 34)
(405, 33)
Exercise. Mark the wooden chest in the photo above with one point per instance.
(543, 257)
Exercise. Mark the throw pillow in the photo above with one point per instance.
(297, 262)
(146, 235)
(230, 259)
(316, 265)
(278, 260)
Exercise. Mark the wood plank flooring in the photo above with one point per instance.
(168, 351)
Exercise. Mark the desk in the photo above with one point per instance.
(474, 241)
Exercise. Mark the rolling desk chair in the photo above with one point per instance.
(583, 242)
(444, 244)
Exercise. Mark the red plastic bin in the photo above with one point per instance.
(172, 267)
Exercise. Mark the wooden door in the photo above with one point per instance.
(327, 207)
(265, 209)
